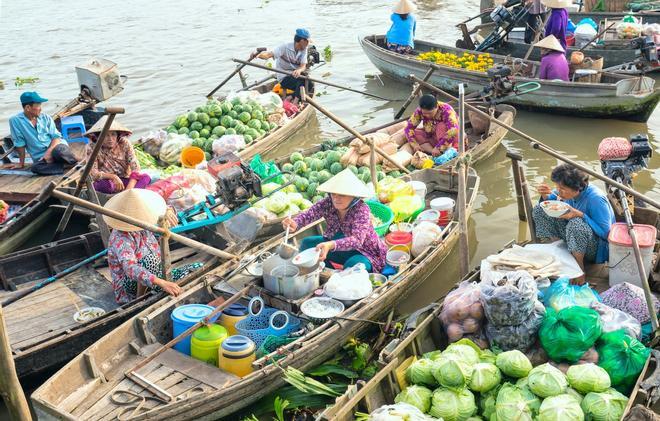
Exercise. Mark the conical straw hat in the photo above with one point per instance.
(116, 126)
(404, 7)
(551, 43)
(557, 4)
(143, 205)
(345, 183)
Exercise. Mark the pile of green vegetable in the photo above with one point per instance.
(216, 119)
(148, 162)
(464, 382)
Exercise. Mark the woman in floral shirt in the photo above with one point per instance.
(116, 168)
(349, 238)
(134, 254)
(439, 127)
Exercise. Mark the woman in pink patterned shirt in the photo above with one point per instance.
(439, 127)
(349, 238)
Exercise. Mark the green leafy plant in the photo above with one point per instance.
(20, 81)
(327, 53)
(279, 406)
(250, 418)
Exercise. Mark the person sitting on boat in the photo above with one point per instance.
(291, 57)
(439, 127)
(401, 36)
(554, 65)
(349, 238)
(535, 13)
(558, 20)
(133, 253)
(35, 131)
(116, 167)
(587, 222)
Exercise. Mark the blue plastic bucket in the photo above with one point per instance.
(185, 316)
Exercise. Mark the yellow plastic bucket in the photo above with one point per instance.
(236, 355)
(191, 156)
(205, 343)
(232, 315)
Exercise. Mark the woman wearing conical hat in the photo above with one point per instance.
(401, 36)
(116, 168)
(349, 238)
(558, 19)
(553, 60)
(133, 253)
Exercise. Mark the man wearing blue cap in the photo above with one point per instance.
(291, 57)
(36, 132)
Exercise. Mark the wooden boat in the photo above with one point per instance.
(426, 334)
(617, 96)
(83, 388)
(41, 326)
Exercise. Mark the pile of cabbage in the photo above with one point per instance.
(284, 202)
(464, 382)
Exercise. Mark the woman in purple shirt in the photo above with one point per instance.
(558, 20)
(349, 237)
(553, 61)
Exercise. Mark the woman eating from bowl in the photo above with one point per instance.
(350, 237)
(586, 223)
(133, 253)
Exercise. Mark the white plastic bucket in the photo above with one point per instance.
(622, 263)
(419, 187)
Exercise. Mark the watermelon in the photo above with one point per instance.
(311, 189)
(252, 133)
(299, 167)
(333, 156)
(192, 116)
(203, 118)
(226, 121)
(226, 107)
(301, 184)
(198, 143)
(240, 128)
(255, 124)
(238, 108)
(184, 130)
(236, 101)
(365, 177)
(248, 139)
(196, 125)
(214, 122)
(317, 164)
(272, 126)
(194, 134)
(247, 108)
(204, 133)
(258, 115)
(208, 156)
(324, 176)
(288, 167)
(199, 110)
(244, 117)
(336, 168)
(354, 169)
(233, 114)
(215, 111)
(308, 160)
(395, 174)
(234, 122)
(230, 131)
(363, 170)
(208, 127)
(219, 131)
(380, 175)
(296, 156)
(313, 177)
(319, 155)
(181, 121)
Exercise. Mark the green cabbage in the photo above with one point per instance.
(417, 396)
(533, 401)
(587, 378)
(513, 363)
(277, 202)
(512, 404)
(268, 188)
(421, 373)
(452, 404)
(560, 408)
(547, 380)
(452, 370)
(485, 376)
(487, 402)
(578, 397)
(604, 406)
(465, 352)
(433, 355)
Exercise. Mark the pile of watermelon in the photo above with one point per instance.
(215, 119)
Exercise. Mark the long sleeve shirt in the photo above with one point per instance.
(119, 160)
(598, 213)
(359, 234)
(35, 140)
(125, 249)
(402, 31)
(445, 117)
(556, 25)
(554, 66)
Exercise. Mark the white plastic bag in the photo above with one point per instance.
(584, 33)
(243, 96)
(350, 284)
(424, 234)
(170, 151)
(612, 319)
(398, 412)
(628, 30)
(270, 101)
(228, 143)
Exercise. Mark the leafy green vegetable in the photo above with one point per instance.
(452, 370)
(513, 363)
(512, 404)
(604, 406)
(485, 377)
(421, 372)
(417, 396)
(279, 407)
(326, 369)
(452, 404)
(547, 380)
(560, 408)
(587, 378)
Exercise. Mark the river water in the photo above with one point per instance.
(174, 53)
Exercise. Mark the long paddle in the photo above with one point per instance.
(323, 82)
(232, 74)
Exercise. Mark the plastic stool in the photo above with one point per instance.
(73, 129)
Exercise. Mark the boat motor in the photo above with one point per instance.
(313, 55)
(237, 182)
(501, 83)
(649, 50)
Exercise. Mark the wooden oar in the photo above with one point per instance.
(50, 190)
(355, 133)
(596, 37)
(414, 93)
(323, 82)
(232, 74)
(541, 146)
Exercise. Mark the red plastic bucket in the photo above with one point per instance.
(399, 238)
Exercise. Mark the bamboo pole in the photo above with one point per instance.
(353, 132)
(517, 184)
(165, 251)
(414, 93)
(372, 167)
(464, 249)
(10, 387)
(149, 227)
(110, 112)
(544, 148)
(528, 205)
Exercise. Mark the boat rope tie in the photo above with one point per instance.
(465, 160)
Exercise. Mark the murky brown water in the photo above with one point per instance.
(175, 52)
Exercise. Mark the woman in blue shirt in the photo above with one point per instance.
(585, 225)
(400, 38)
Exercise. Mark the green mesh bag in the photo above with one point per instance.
(271, 343)
(567, 334)
(623, 357)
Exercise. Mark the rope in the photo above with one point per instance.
(465, 160)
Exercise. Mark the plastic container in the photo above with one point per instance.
(419, 187)
(306, 259)
(382, 212)
(191, 156)
(444, 205)
(622, 263)
(232, 315)
(266, 322)
(429, 215)
(406, 208)
(205, 343)
(398, 256)
(236, 355)
(184, 317)
(399, 238)
(402, 227)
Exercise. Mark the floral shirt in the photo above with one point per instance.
(445, 116)
(119, 160)
(125, 249)
(359, 234)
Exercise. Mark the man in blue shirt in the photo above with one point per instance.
(36, 132)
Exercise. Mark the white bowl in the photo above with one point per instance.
(87, 314)
(321, 308)
(306, 259)
(554, 208)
